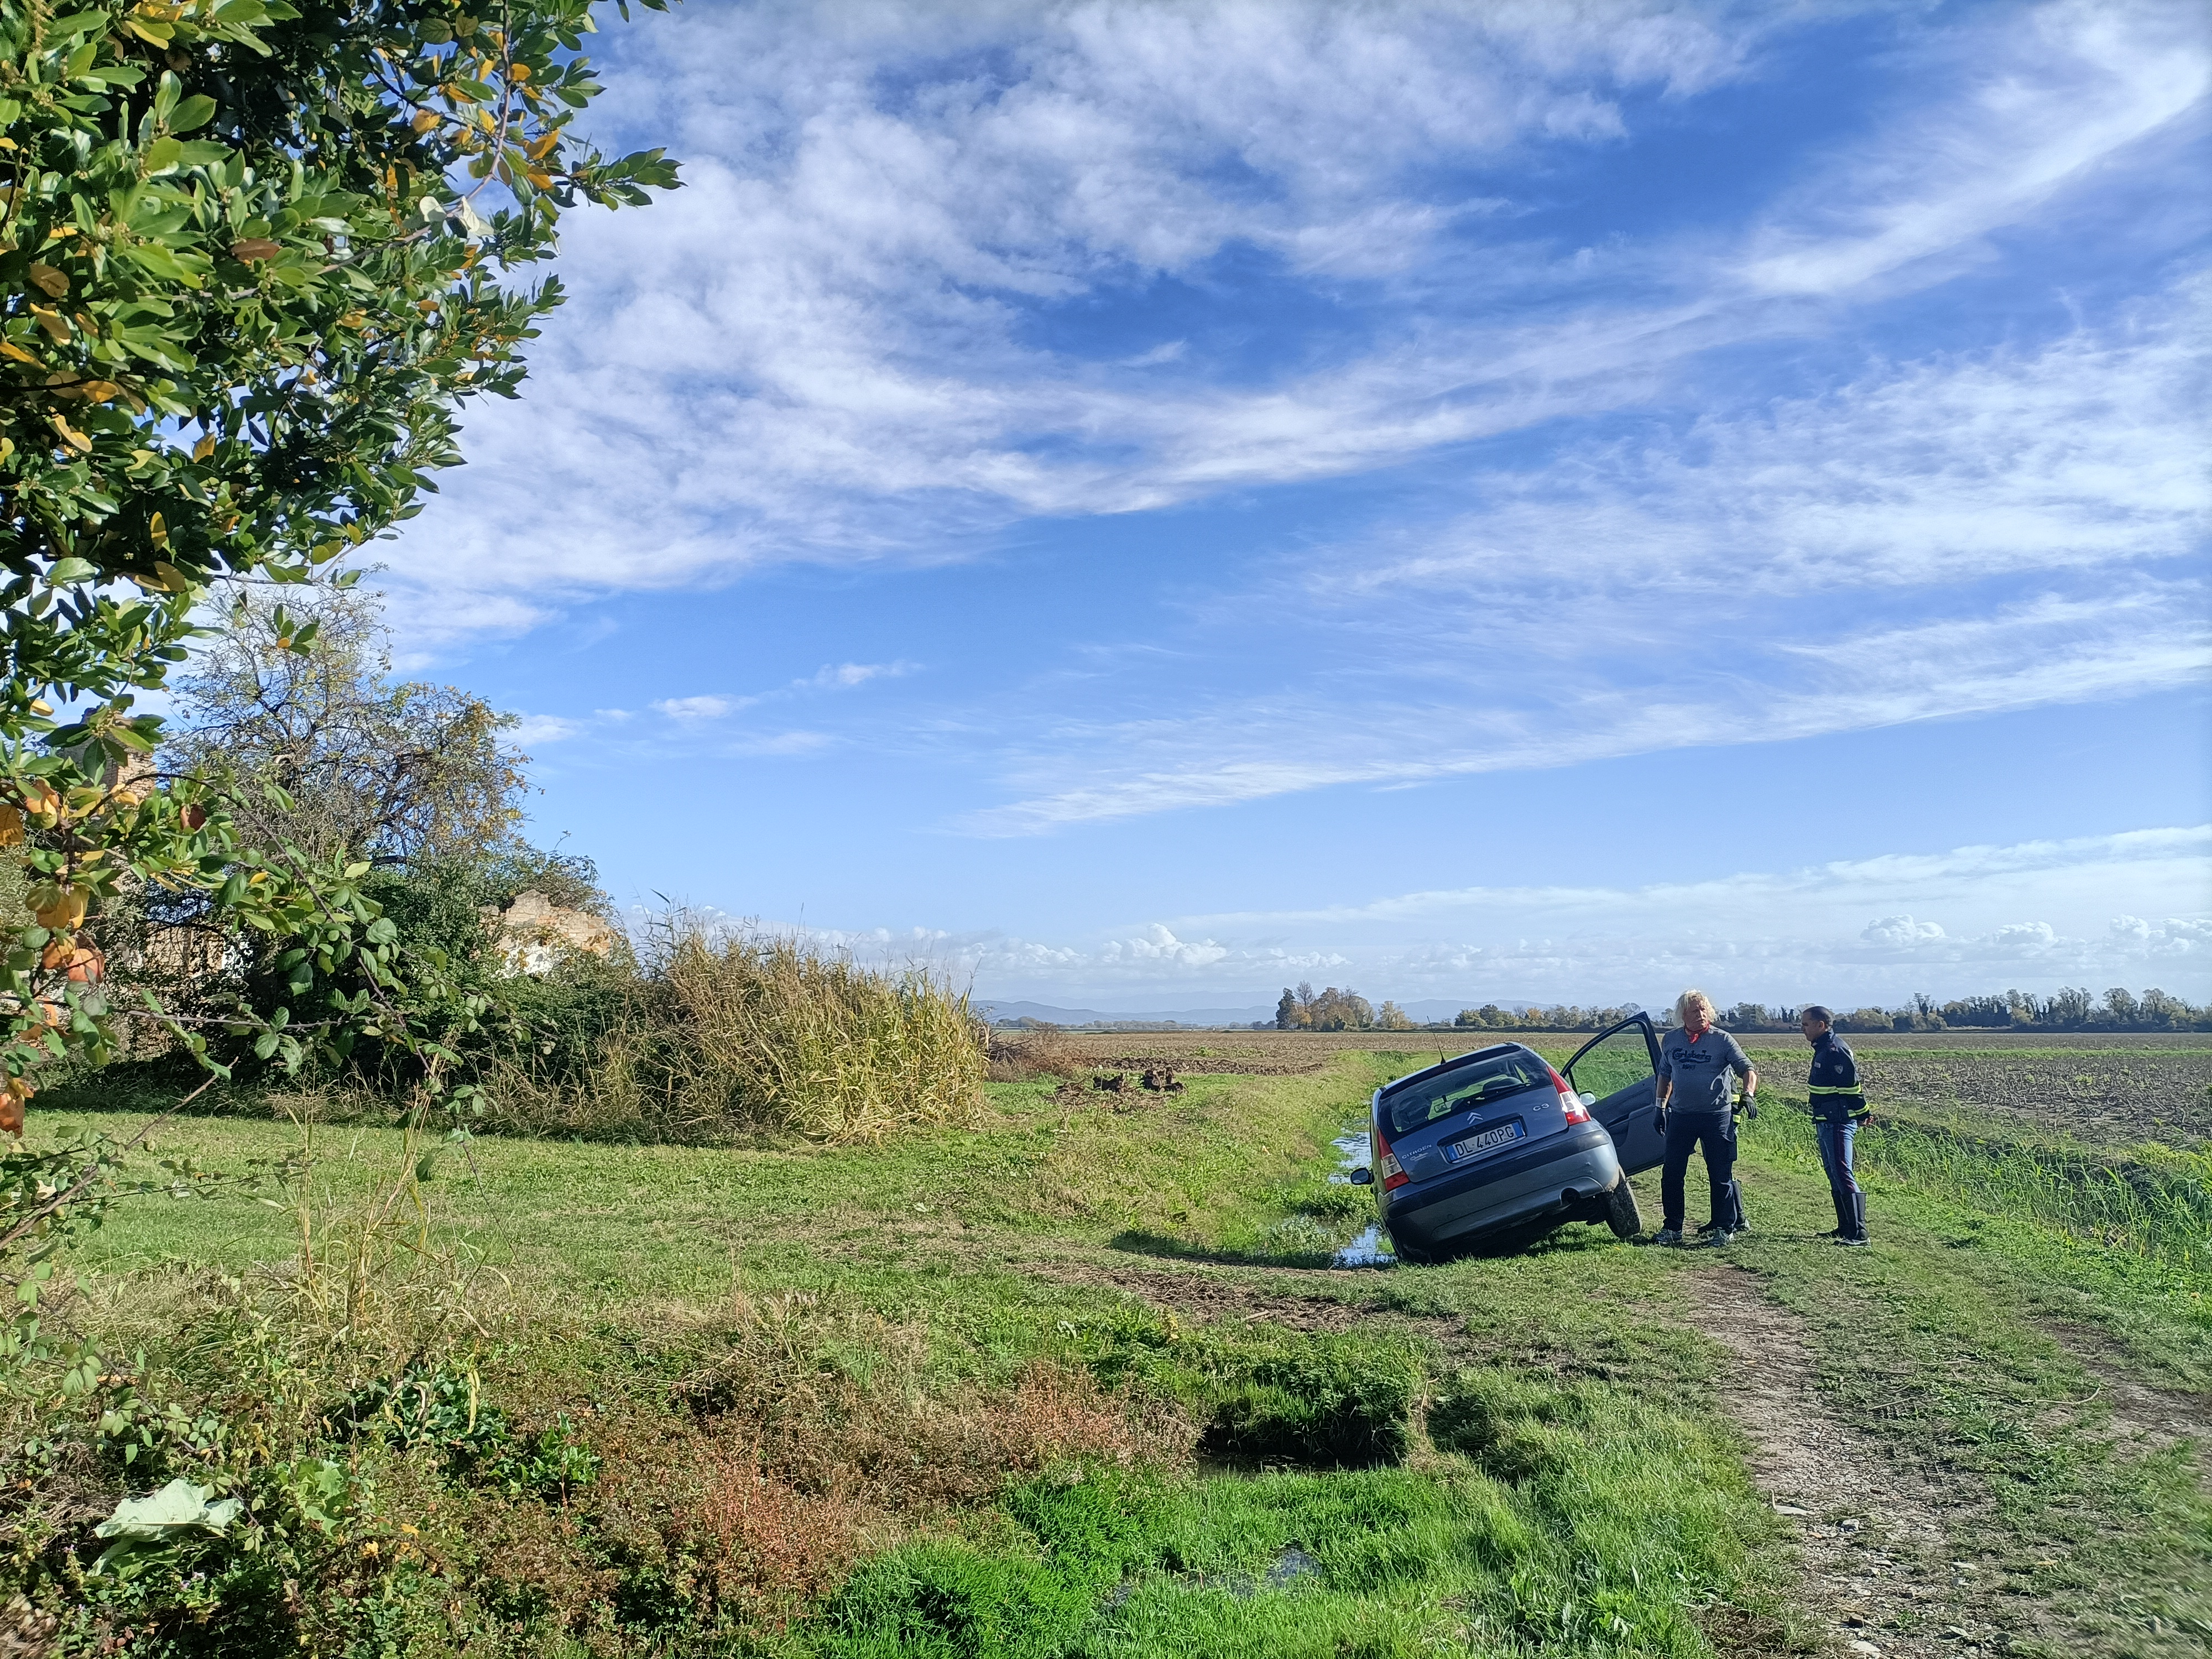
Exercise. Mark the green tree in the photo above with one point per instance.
(253, 256)
(363, 766)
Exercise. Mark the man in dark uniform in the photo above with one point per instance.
(1838, 1107)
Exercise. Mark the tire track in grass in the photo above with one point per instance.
(2145, 1418)
(1877, 1536)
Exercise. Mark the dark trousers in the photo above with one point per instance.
(1843, 1185)
(1716, 1133)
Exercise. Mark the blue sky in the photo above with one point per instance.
(1142, 504)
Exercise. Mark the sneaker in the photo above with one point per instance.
(1717, 1237)
(1668, 1236)
(1858, 1244)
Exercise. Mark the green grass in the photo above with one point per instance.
(1070, 1383)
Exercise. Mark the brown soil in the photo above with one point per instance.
(1877, 1535)
(1262, 1054)
(2089, 1097)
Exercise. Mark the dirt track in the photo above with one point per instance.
(1877, 1535)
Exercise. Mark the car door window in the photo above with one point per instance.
(1615, 1061)
(1619, 1067)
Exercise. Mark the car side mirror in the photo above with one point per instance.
(1363, 1177)
(1587, 1098)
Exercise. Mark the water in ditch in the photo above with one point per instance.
(1367, 1251)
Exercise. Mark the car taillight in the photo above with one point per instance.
(1387, 1165)
(1569, 1102)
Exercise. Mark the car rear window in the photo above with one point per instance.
(1478, 1081)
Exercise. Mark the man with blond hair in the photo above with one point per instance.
(1698, 1064)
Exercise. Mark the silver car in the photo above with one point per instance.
(1496, 1145)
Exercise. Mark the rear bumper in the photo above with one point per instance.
(1506, 1191)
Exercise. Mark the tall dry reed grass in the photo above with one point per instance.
(723, 1033)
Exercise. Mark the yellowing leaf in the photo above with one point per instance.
(70, 436)
(254, 249)
(53, 322)
(98, 391)
(424, 120)
(48, 278)
(205, 447)
(17, 352)
(167, 578)
(157, 531)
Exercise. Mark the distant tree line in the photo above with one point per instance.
(1305, 1009)
(1560, 1017)
(2069, 1009)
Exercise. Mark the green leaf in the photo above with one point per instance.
(196, 110)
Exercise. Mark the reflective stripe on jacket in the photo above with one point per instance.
(1834, 1091)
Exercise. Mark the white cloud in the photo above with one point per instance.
(538, 730)
(841, 342)
(1868, 515)
(1599, 706)
(1158, 947)
(2051, 94)
(1777, 937)
(1901, 932)
(844, 676)
(831, 677)
(823, 347)
(703, 708)
(1774, 937)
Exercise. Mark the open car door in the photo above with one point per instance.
(1620, 1066)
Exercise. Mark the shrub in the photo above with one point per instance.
(715, 1034)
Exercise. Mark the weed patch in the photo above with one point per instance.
(1328, 1401)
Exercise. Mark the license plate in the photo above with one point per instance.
(1482, 1142)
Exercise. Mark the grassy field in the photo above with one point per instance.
(1082, 1380)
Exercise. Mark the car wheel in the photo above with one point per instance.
(1620, 1212)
